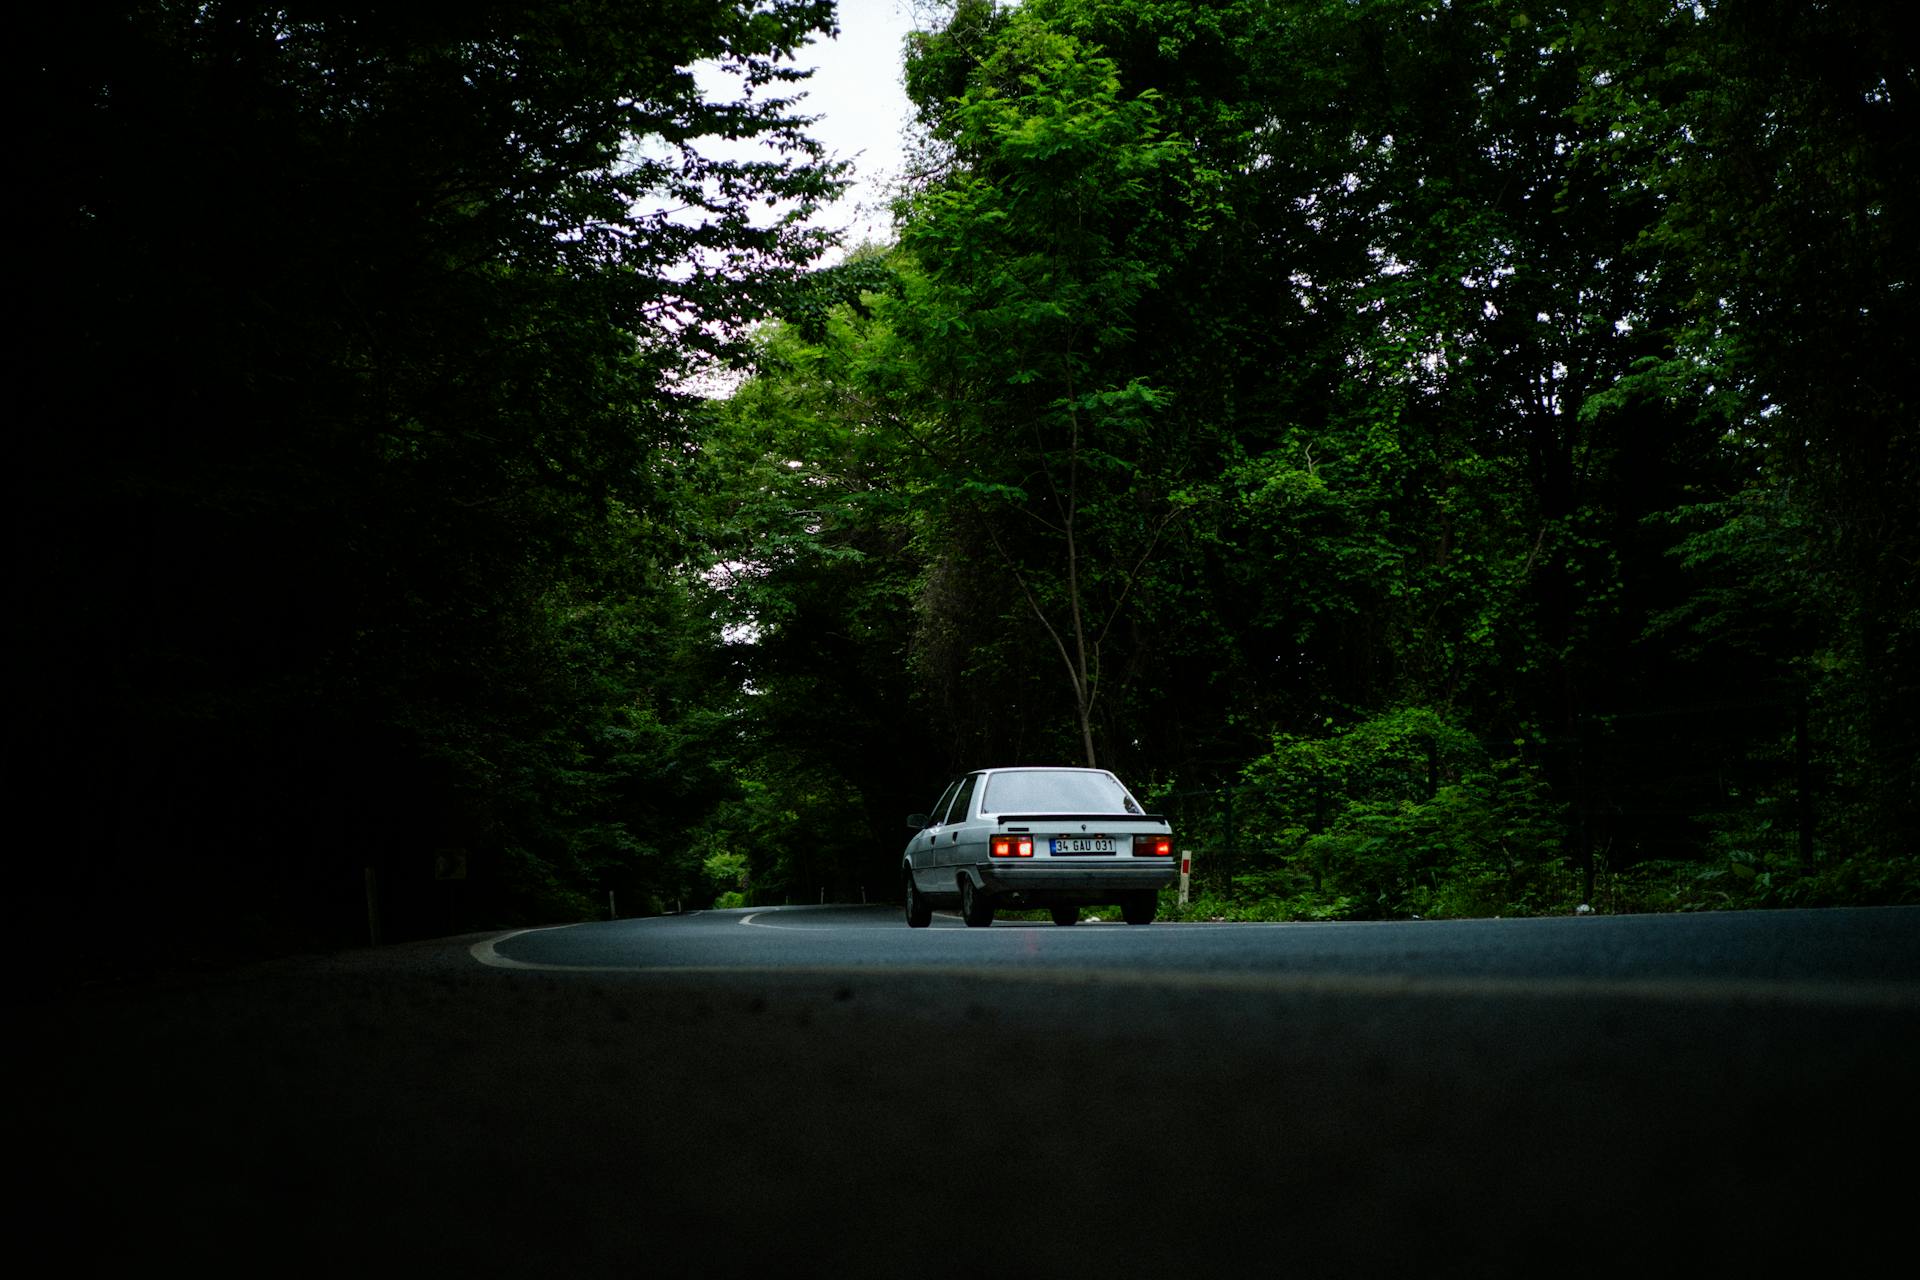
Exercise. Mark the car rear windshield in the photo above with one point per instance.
(1055, 791)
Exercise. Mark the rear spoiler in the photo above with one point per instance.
(1076, 817)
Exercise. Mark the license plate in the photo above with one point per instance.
(1083, 844)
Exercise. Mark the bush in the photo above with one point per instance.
(1404, 814)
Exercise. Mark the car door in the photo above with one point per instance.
(922, 850)
(963, 838)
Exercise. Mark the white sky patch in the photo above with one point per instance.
(859, 96)
(858, 90)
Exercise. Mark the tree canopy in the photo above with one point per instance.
(1256, 381)
(360, 338)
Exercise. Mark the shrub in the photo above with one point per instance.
(1405, 813)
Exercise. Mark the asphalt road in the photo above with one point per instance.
(1842, 956)
(822, 1091)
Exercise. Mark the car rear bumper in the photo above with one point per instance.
(1060, 880)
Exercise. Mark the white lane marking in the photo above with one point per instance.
(1890, 996)
(755, 921)
(486, 953)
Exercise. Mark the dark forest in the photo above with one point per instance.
(1452, 458)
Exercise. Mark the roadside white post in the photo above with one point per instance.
(1186, 874)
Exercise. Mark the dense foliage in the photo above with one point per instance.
(1454, 455)
(345, 532)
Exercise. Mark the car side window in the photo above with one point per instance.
(957, 812)
(938, 814)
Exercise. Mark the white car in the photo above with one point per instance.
(1037, 837)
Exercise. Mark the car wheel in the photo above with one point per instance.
(1140, 908)
(919, 910)
(1066, 915)
(976, 907)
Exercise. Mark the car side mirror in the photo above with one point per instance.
(919, 821)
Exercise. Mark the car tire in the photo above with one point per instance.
(1066, 915)
(1140, 908)
(919, 910)
(976, 906)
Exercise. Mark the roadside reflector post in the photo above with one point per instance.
(1186, 874)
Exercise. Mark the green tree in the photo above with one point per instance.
(357, 335)
(807, 509)
(1778, 141)
(1061, 205)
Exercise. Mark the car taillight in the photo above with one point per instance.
(1153, 846)
(1012, 846)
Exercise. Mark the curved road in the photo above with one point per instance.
(823, 1091)
(1839, 957)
